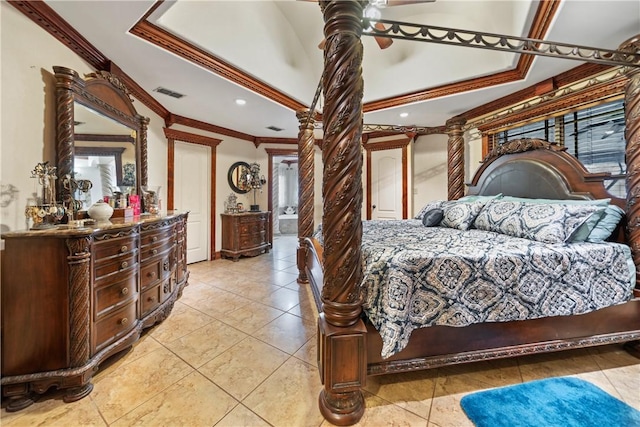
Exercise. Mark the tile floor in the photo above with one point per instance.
(239, 350)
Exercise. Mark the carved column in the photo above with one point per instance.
(144, 124)
(341, 332)
(306, 150)
(79, 310)
(632, 136)
(455, 157)
(65, 79)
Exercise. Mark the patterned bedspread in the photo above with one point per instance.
(417, 276)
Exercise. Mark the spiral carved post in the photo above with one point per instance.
(79, 310)
(65, 80)
(632, 136)
(455, 157)
(306, 152)
(142, 175)
(341, 332)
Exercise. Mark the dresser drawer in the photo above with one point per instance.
(253, 240)
(156, 249)
(155, 270)
(109, 298)
(151, 299)
(149, 237)
(252, 227)
(122, 263)
(106, 249)
(110, 328)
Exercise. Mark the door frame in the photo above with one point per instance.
(172, 136)
(389, 145)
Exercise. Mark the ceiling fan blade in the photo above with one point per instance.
(383, 42)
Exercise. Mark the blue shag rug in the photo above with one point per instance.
(554, 402)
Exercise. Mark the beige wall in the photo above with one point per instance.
(27, 90)
(472, 153)
(429, 170)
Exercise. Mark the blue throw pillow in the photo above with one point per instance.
(607, 224)
(429, 206)
(432, 218)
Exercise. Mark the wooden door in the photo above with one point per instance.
(386, 184)
(191, 183)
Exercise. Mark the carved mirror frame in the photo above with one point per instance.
(106, 94)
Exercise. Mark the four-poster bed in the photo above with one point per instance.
(349, 347)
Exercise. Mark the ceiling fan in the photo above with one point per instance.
(372, 12)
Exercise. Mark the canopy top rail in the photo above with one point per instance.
(501, 42)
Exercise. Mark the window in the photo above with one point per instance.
(542, 130)
(594, 135)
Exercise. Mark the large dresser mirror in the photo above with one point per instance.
(101, 139)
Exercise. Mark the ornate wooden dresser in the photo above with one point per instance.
(73, 296)
(245, 234)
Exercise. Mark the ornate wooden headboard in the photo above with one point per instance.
(538, 169)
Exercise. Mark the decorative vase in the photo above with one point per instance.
(100, 211)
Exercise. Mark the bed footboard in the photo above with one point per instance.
(313, 269)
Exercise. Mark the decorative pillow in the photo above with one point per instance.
(547, 223)
(459, 214)
(432, 218)
(583, 232)
(607, 224)
(429, 206)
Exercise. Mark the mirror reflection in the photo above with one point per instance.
(105, 156)
(240, 177)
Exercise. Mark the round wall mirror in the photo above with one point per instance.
(240, 177)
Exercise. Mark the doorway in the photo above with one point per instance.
(285, 195)
(283, 192)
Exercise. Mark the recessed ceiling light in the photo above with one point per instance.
(240, 101)
(404, 115)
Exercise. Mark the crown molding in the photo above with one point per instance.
(179, 47)
(197, 124)
(193, 138)
(575, 74)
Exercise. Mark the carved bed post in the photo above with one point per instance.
(455, 157)
(632, 136)
(306, 151)
(341, 332)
